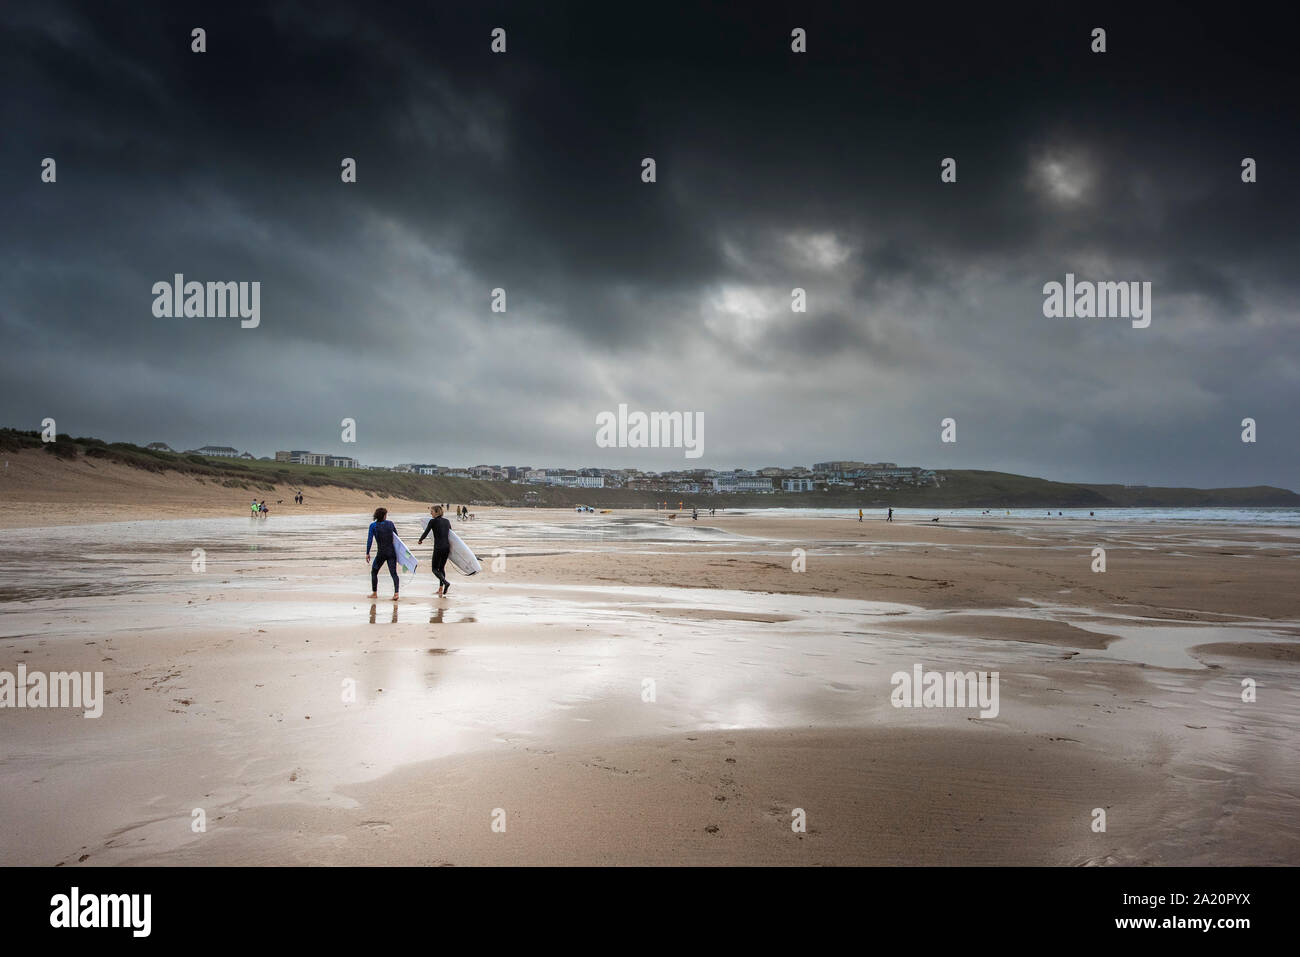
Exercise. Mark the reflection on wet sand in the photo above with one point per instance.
(444, 616)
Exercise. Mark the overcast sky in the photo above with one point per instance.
(775, 170)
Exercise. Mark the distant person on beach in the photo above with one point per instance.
(695, 514)
(440, 529)
(253, 508)
(261, 506)
(381, 534)
(890, 516)
(859, 515)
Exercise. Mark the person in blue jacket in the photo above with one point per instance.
(381, 534)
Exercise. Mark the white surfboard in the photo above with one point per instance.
(405, 560)
(462, 557)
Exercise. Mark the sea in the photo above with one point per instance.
(1260, 517)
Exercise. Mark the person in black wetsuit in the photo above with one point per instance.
(381, 534)
(440, 529)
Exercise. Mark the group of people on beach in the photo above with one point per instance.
(260, 509)
(382, 534)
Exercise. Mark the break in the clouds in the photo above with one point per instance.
(775, 170)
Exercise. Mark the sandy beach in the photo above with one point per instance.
(627, 689)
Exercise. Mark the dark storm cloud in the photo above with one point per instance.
(522, 171)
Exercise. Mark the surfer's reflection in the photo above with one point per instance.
(440, 617)
(374, 609)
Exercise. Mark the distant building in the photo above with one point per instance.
(301, 457)
(159, 447)
(739, 482)
(217, 451)
(796, 485)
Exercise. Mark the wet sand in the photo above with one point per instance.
(523, 696)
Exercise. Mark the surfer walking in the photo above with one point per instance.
(381, 534)
(440, 529)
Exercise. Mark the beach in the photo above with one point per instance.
(626, 688)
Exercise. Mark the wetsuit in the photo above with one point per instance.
(381, 533)
(440, 528)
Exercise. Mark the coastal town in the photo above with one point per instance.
(819, 477)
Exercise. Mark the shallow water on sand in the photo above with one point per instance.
(122, 557)
(286, 556)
